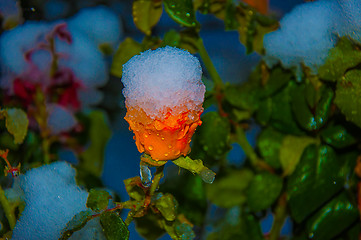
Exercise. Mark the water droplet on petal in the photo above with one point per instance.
(166, 154)
(162, 138)
(145, 135)
(169, 146)
(150, 148)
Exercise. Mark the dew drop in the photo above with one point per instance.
(150, 148)
(157, 134)
(166, 154)
(162, 138)
(145, 135)
(172, 6)
(169, 146)
(188, 14)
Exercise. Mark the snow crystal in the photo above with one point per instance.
(99, 23)
(310, 30)
(162, 79)
(52, 198)
(60, 119)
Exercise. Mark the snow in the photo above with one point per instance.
(100, 24)
(52, 198)
(60, 119)
(310, 30)
(13, 44)
(163, 80)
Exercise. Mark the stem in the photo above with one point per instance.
(7, 209)
(143, 207)
(279, 218)
(157, 176)
(45, 145)
(249, 151)
(209, 65)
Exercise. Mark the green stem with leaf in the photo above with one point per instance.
(9, 213)
(141, 207)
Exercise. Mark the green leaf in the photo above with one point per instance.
(214, 134)
(347, 172)
(337, 136)
(315, 180)
(291, 151)
(134, 188)
(181, 12)
(93, 156)
(264, 112)
(264, 184)
(229, 190)
(323, 107)
(196, 166)
(278, 78)
(245, 97)
(146, 14)
(97, 200)
(347, 96)
(16, 123)
(76, 223)
(269, 144)
(167, 205)
(171, 38)
(341, 58)
(332, 219)
(113, 226)
(126, 50)
(311, 120)
(282, 117)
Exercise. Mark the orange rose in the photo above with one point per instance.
(163, 139)
(164, 95)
